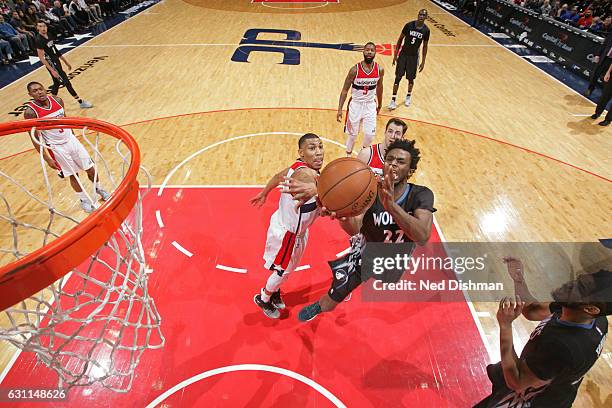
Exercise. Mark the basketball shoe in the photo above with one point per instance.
(392, 104)
(276, 300)
(408, 100)
(267, 307)
(87, 206)
(103, 194)
(309, 312)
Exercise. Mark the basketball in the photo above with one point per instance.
(347, 186)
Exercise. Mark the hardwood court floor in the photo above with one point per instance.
(540, 174)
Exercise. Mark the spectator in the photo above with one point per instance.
(554, 12)
(605, 27)
(59, 11)
(21, 5)
(546, 8)
(573, 17)
(4, 8)
(6, 52)
(107, 7)
(29, 17)
(563, 12)
(26, 22)
(596, 25)
(79, 15)
(89, 10)
(65, 26)
(8, 32)
(32, 17)
(18, 25)
(585, 21)
(94, 9)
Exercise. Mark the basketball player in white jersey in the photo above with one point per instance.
(64, 152)
(374, 156)
(288, 231)
(365, 81)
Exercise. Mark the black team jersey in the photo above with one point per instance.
(558, 352)
(379, 226)
(413, 37)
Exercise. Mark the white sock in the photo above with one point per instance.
(274, 283)
(350, 142)
(82, 196)
(264, 296)
(98, 186)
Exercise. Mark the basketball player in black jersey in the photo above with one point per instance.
(410, 215)
(51, 59)
(413, 34)
(562, 348)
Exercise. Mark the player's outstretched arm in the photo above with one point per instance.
(517, 374)
(345, 88)
(302, 185)
(260, 198)
(418, 226)
(365, 154)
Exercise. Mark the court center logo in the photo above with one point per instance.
(288, 47)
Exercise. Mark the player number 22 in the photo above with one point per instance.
(399, 236)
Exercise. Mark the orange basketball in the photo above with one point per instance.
(347, 186)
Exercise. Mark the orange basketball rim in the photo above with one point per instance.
(26, 276)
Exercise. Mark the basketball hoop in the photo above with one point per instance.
(80, 301)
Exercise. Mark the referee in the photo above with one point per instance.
(413, 35)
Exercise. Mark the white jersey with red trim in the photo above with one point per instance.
(292, 219)
(377, 158)
(364, 84)
(55, 110)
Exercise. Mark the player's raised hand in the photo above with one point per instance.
(515, 268)
(339, 116)
(301, 191)
(327, 213)
(258, 200)
(510, 307)
(387, 189)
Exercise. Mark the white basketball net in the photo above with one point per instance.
(92, 325)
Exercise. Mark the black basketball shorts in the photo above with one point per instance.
(406, 66)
